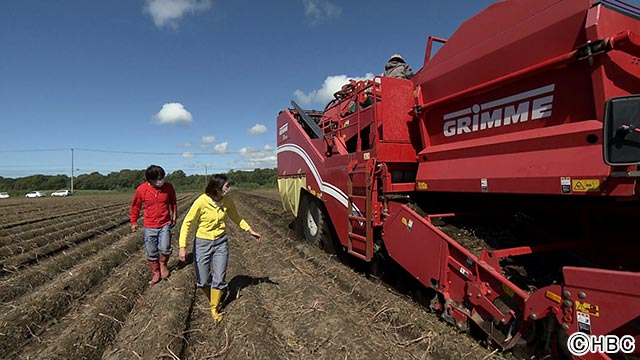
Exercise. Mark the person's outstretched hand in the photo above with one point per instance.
(257, 236)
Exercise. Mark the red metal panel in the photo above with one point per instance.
(609, 299)
(496, 133)
(411, 243)
(609, 281)
(504, 38)
(526, 162)
(555, 98)
(615, 73)
(394, 109)
(531, 162)
(470, 287)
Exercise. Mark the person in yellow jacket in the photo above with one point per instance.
(211, 247)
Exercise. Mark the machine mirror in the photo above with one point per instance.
(622, 131)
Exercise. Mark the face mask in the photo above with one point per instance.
(159, 183)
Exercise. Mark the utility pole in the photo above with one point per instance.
(71, 170)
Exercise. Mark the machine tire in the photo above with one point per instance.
(314, 223)
(309, 219)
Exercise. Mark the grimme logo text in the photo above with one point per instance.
(529, 105)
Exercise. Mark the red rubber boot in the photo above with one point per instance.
(164, 270)
(155, 271)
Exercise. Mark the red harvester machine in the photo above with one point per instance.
(525, 120)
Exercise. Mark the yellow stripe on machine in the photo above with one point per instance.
(553, 296)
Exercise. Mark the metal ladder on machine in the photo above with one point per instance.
(359, 188)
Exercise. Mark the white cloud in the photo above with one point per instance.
(257, 129)
(221, 148)
(325, 93)
(170, 12)
(247, 150)
(318, 11)
(187, 155)
(258, 158)
(186, 145)
(208, 139)
(173, 113)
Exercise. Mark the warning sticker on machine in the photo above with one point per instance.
(584, 322)
(408, 223)
(565, 183)
(585, 185)
(587, 308)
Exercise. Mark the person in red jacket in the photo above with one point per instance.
(160, 208)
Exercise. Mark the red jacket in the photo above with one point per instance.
(158, 205)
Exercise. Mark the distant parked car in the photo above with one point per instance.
(4, 195)
(36, 194)
(61, 193)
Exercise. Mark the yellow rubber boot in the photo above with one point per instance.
(216, 295)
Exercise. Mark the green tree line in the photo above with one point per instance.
(128, 180)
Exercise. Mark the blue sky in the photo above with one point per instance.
(194, 85)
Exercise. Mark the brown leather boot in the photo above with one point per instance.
(164, 270)
(155, 271)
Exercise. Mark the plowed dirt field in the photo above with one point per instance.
(73, 285)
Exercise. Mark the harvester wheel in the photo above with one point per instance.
(315, 226)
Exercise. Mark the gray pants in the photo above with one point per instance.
(210, 258)
(157, 241)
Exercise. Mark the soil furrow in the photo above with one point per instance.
(32, 243)
(20, 324)
(54, 226)
(387, 309)
(12, 264)
(84, 294)
(30, 278)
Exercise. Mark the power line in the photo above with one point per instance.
(142, 152)
(23, 169)
(33, 150)
(171, 153)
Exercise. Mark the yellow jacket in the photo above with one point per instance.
(209, 217)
